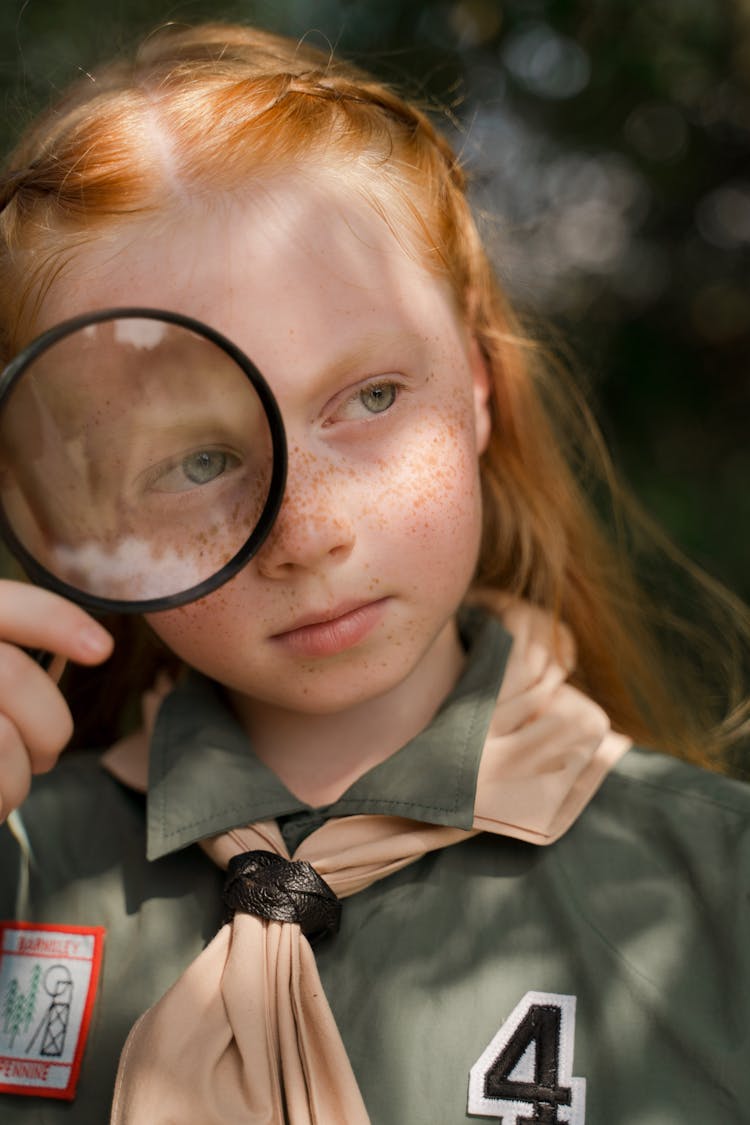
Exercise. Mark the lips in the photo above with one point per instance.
(332, 631)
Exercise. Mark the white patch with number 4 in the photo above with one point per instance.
(525, 1075)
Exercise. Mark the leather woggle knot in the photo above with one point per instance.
(281, 890)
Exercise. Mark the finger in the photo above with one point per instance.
(39, 619)
(15, 768)
(32, 704)
(56, 668)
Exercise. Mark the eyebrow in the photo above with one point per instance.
(368, 348)
(202, 423)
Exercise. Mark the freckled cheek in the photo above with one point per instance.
(429, 498)
(205, 632)
(192, 620)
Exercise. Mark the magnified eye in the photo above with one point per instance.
(204, 466)
(201, 467)
(378, 397)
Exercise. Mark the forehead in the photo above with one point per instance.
(287, 260)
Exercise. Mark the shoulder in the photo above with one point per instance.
(671, 799)
(665, 842)
(657, 805)
(78, 795)
(648, 775)
(76, 820)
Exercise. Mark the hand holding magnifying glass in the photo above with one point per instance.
(142, 464)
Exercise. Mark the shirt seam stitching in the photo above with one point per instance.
(662, 787)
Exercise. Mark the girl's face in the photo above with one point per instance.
(384, 400)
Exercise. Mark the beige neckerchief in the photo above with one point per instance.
(246, 1034)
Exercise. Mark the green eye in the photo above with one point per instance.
(194, 470)
(204, 466)
(378, 397)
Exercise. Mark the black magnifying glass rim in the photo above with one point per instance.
(43, 577)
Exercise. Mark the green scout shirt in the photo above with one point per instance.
(465, 959)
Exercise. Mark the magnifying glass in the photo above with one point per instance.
(142, 459)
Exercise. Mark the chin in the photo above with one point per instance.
(324, 690)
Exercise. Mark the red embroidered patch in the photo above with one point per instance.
(48, 979)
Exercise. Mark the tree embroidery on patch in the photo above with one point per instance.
(18, 1005)
(525, 1075)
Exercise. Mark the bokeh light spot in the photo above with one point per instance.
(547, 63)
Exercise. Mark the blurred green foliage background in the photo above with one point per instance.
(608, 145)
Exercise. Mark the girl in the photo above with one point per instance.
(539, 922)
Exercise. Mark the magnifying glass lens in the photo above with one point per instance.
(137, 459)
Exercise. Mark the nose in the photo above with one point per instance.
(313, 530)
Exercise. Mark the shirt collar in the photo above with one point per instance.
(205, 779)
